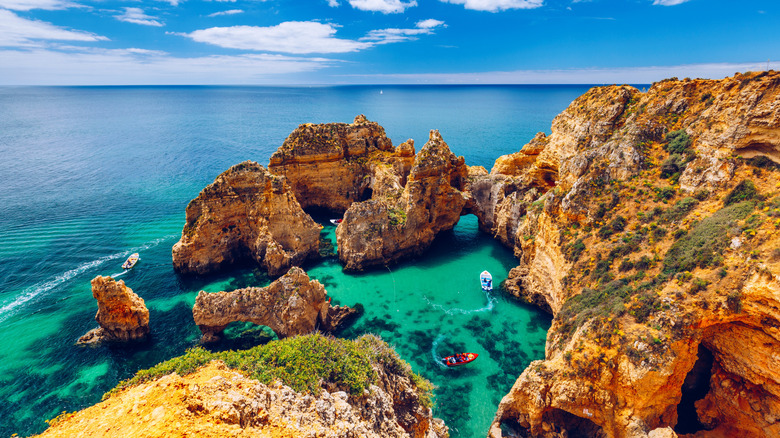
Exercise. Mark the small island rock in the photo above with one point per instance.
(122, 314)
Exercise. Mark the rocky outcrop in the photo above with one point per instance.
(331, 165)
(647, 224)
(121, 313)
(291, 305)
(394, 225)
(216, 401)
(246, 214)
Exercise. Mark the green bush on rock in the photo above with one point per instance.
(302, 363)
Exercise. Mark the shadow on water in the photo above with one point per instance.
(241, 335)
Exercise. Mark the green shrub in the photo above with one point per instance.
(626, 265)
(574, 250)
(672, 166)
(678, 142)
(681, 209)
(605, 231)
(645, 305)
(664, 193)
(643, 263)
(744, 191)
(698, 285)
(301, 362)
(734, 301)
(701, 194)
(618, 224)
(705, 242)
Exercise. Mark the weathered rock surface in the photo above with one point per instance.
(122, 314)
(393, 226)
(601, 225)
(246, 214)
(291, 305)
(215, 402)
(331, 165)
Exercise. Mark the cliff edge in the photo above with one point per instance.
(283, 389)
(647, 223)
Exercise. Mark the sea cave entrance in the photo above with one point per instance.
(695, 388)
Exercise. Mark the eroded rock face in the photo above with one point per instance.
(246, 214)
(291, 305)
(600, 248)
(122, 314)
(216, 402)
(395, 225)
(330, 165)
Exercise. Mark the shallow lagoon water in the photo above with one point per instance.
(92, 175)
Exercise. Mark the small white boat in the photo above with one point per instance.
(131, 261)
(486, 280)
(335, 221)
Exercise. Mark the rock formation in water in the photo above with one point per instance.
(291, 305)
(216, 401)
(331, 165)
(395, 223)
(246, 214)
(647, 223)
(121, 313)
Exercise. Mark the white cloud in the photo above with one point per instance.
(501, 5)
(228, 12)
(384, 36)
(333, 3)
(619, 75)
(173, 2)
(429, 23)
(139, 66)
(383, 6)
(297, 37)
(668, 2)
(137, 16)
(18, 31)
(26, 5)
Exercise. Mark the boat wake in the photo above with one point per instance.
(491, 301)
(435, 353)
(39, 289)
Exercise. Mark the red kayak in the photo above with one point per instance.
(459, 359)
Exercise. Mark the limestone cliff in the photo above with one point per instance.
(332, 165)
(291, 305)
(392, 226)
(246, 214)
(122, 314)
(215, 400)
(647, 223)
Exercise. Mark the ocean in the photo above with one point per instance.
(93, 174)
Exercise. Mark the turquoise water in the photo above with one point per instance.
(91, 175)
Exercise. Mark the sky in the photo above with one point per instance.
(333, 42)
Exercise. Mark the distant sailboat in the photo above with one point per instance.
(380, 92)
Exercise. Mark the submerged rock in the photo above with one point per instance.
(121, 313)
(392, 226)
(246, 214)
(291, 305)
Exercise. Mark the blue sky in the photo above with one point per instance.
(279, 42)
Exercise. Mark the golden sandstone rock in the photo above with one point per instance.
(122, 314)
(659, 321)
(217, 402)
(246, 214)
(291, 305)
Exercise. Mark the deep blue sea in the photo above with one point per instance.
(93, 174)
